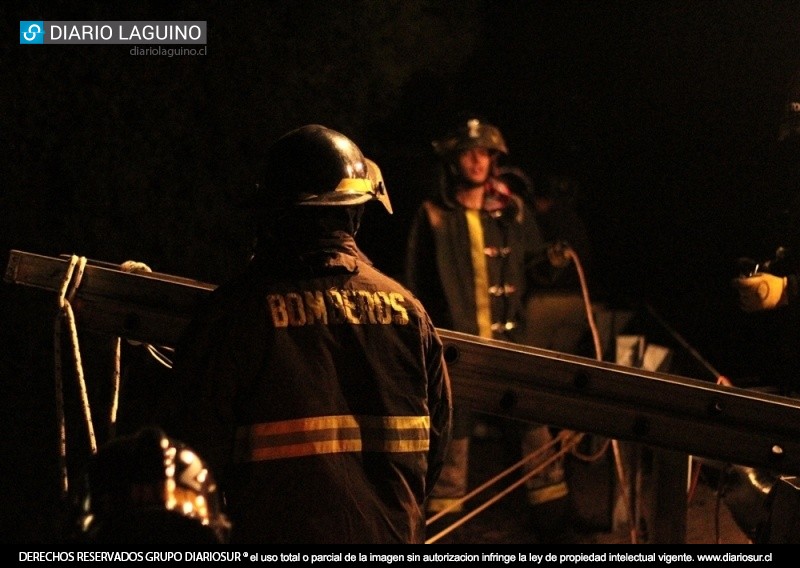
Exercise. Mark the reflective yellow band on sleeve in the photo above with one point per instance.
(332, 434)
(548, 493)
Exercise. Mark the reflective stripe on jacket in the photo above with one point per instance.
(332, 434)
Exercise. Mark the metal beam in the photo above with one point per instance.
(152, 307)
(659, 409)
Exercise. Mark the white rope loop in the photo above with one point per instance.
(69, 287)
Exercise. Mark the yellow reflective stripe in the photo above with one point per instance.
(332, 434)
(483, 310)
(357, 185)
(436, 504)
(299, 450)
(548, 493)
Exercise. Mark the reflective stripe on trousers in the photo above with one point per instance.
(332, 434)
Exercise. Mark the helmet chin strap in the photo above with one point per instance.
(356, 214)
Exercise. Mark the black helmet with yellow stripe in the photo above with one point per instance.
(317, 166)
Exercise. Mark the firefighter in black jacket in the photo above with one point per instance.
(474, 249)
(313, 383)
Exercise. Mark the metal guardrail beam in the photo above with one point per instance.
(659, 409)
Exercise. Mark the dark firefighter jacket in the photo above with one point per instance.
(316, 388)
(443, 249)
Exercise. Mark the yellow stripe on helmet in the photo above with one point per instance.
(355, 185)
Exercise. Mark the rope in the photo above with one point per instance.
(598, 348)
(623, 486)
(134, 267)
(567, 439)
(66, 296)
(491, 481)
(116, 379)
(570, 252)
(159, 356)
(140, 268)
(69, 287)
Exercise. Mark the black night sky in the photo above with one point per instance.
(666, 112)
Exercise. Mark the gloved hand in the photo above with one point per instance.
(762, 291)
(558, 254)
(138, 268)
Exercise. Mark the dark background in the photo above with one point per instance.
(666, 112)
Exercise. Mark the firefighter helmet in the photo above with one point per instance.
(316, 166)
(472, 134)
(148, 487)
